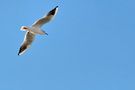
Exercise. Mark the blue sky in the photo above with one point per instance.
(90, 46)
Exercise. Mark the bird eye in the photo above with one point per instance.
(25, 28)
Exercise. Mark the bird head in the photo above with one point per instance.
(24, 28)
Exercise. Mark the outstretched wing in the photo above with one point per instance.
(46, 18)
(28, 39)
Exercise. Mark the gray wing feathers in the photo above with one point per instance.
(46, 18)
(42, 21)
(29, 37)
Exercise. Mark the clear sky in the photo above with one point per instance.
(90, 46)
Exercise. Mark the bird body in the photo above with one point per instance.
(35, 29)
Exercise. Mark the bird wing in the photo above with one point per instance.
(46, 18)
(28, 39)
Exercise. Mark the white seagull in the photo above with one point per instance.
(35, 29)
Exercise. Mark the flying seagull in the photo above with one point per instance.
(35, 29)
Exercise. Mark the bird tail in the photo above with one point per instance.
(45, 32)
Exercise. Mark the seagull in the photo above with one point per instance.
(35, 29)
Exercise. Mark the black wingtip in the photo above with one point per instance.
(18, 53)
(56, 7)
(53, 11)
